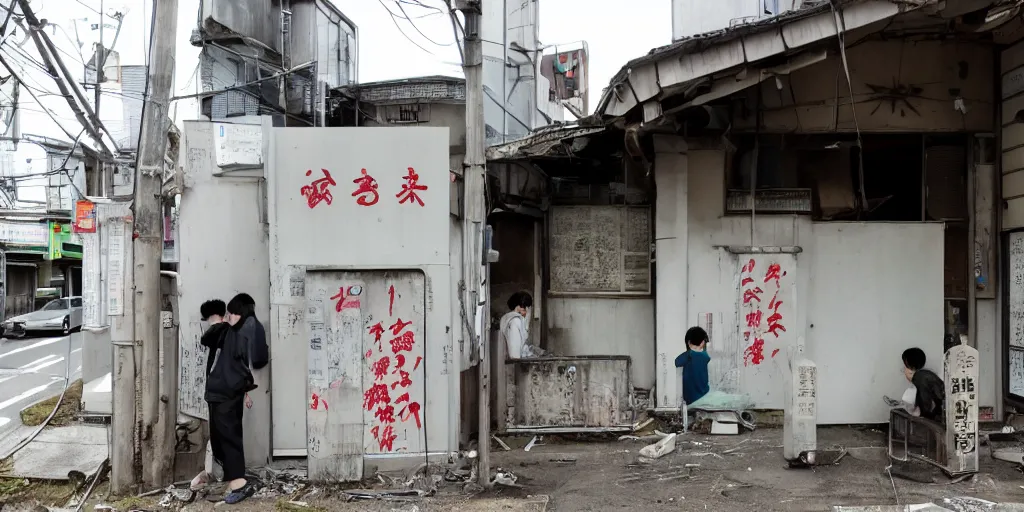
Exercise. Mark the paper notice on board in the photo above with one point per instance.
(115, 268)
(91, 280)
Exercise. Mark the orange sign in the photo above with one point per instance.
(85, 217)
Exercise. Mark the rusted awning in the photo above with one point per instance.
(554, 141)
(698, 60)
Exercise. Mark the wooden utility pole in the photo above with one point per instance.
(474, 218)
(148, 245)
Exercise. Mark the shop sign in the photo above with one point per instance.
(23, 233)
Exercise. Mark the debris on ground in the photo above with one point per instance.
(505, 478)
(533, 442)
(386, 494)
(501, 443)
(660, 449)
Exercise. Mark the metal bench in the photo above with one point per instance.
(915, 438)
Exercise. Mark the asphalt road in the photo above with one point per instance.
(33, 369)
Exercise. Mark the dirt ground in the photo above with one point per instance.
(719, 473)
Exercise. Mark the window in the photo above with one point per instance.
(56, 305)
(76, 303)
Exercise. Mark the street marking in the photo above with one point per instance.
(38, 344)
(37, 361)
(35, 369)
(27, 369)
(24, 396)
(76, 350)
(4, 421)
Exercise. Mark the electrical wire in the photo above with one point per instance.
(417, 29)
(394, 19)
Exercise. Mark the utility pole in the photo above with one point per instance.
(147, 212)
(474, 218)
(100, 58)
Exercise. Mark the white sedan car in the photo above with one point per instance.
(61, 315)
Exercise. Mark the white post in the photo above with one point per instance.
(961, 376)
(800, 426)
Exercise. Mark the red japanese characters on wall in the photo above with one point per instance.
(366, 191)
(392, 362)
(762, 319)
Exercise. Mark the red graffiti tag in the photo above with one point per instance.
(746, 281)
(417, 365)
(343, 303)
(749, 267)
(367, 190)
(380, 368)
(754, 354)
(315, 402)
(773, 273)
(754, 319)
(376, 395)
(386, 439)
(369, 353)
(398, 326)
(391, 301)
(412, 409)
(773, 320)
(403, 398)
(405, 381)
(377, 330)
(318, 190)
(410, 187)
(385, 414)
(749, 295)
(775, 352)
(403, 343)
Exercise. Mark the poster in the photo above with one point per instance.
(85, 217)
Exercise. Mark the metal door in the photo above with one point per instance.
(366, 369)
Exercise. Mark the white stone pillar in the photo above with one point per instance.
(670, 233)
(800, 426)
(961, 376)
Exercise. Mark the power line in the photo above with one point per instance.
(417, 29)
(394, 19)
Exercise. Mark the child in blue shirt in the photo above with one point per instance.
(694, 363)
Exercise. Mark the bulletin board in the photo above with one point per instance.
(600, 250)
(1015, 313)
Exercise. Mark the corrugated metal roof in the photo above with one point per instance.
(700, 56)
(544, 142)
(435, 88)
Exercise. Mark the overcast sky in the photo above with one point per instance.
(388, 49)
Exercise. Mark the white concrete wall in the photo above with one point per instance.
(697, 275)
(224, 251)
(595, 326)
(386, 235)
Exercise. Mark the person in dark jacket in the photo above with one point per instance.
(694, 363)
(244, 348)
(931, 390)
(212, 312)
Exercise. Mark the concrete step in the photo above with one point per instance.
(96, 397)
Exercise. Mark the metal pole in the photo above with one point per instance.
(474, 216)
(148, 233)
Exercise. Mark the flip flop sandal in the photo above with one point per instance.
(240, 495)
